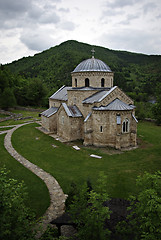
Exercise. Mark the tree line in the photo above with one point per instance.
(17, 90)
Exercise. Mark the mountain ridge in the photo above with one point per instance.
(53, 66)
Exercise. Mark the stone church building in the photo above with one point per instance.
(92, 109)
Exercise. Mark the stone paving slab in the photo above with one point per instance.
(57, 197)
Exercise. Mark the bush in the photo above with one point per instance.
(88, 212)
(144, 221)
(16, 220)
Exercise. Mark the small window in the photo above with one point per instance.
(62, 120)
(87, 82)
(127, 126)
(75, 82)
(101, 129)
(74, 100)
(118, 117)
(102, 82)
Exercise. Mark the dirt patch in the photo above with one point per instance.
(142, 144)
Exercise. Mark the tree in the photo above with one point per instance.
(89, 213)
(145, 217)
(7, 98)
(16, 220)
(36, 92)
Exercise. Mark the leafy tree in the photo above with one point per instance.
(36, 92)
(16, 220)
(89, 213)
(7, 98)
(145, 217)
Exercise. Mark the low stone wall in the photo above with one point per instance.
(27, 109)
(11, 115)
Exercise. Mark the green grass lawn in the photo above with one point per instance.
(3, 115)
(38, 193)
(68, 165)
(5, 128)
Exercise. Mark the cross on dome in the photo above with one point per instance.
(93, 51)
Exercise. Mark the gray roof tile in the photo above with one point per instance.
(72, 111)
(116, 105)
(99, 96)
(92, 64)
(61, 94)
(49, 112)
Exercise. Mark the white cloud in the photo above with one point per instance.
(121, 3)
(132, 39)
(69, 26)
(28, 26)
(38, 40)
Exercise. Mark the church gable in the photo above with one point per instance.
(115, 92)
(70, 122)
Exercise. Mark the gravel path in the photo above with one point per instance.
(57, 197)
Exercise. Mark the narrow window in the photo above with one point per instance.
(86, 82)
(75, 82)
(74, 100)
(124, 127)
(118, 117)
(101, 129)
(63, 120)
(102, 82)
(111, 82)
(127, 125)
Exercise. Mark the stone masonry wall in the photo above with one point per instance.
(106, 131)
(63, 124)
(94, 79)
(76, 97)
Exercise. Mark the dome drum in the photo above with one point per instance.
(95, 72)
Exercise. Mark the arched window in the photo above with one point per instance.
(102, 82)
(125, 126)
(75, 82)
(101, 129)
(87, 82)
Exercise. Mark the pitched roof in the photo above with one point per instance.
(72, 111)
(99, 96)
(116, 105)
(49, 112)
(61, 94)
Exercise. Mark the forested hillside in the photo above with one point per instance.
(42, 74)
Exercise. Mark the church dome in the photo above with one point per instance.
(92, 64)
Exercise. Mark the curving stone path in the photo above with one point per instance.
(57, 197)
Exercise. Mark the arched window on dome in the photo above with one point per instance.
(111, 82)
(102, 82)
(87, 82)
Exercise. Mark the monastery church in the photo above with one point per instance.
(92, 109)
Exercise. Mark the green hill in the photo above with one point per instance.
(54, 66)
(31, 80)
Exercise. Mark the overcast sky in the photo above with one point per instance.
(31, 26)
